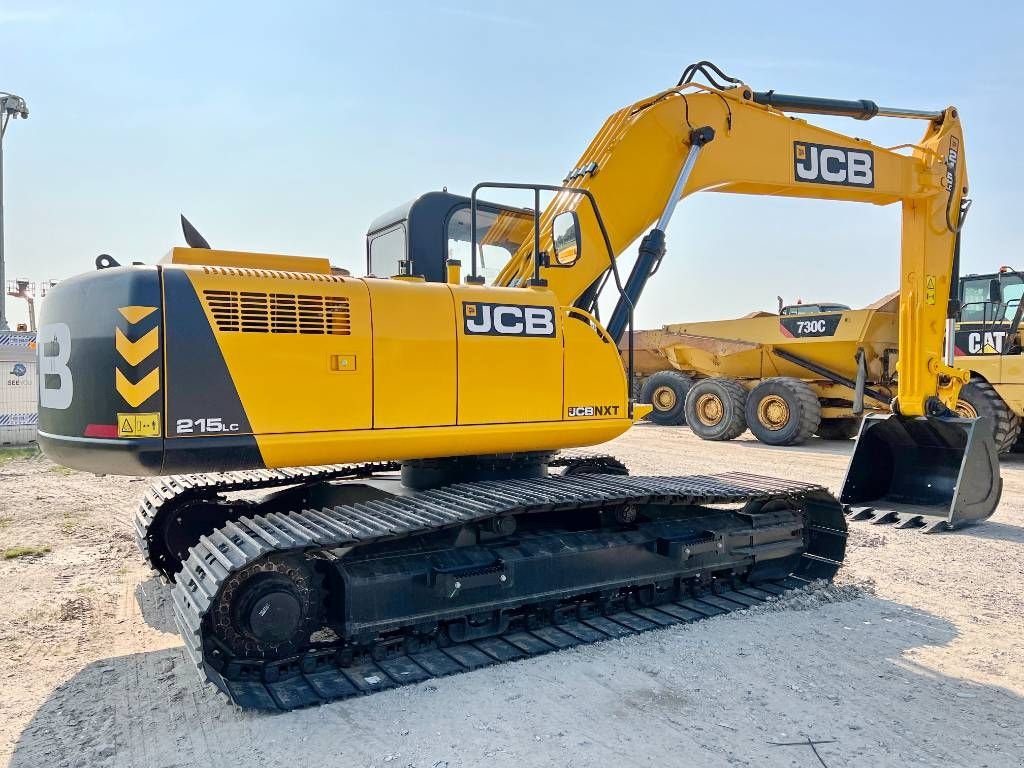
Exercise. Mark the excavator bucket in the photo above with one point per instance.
(931, 472)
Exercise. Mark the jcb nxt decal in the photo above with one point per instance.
(578, 411)
(824, 164)
(817, 325)
(979, 342)
(483, 319)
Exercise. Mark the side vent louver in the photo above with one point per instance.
(255, 312)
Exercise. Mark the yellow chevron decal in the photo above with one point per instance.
(135, 314)
(134, 352)
(135, 394)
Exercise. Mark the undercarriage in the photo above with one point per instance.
(344, 580)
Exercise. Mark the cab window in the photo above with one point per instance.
(386, 250)
(499, 235)
(1011, 298)
(974, 300)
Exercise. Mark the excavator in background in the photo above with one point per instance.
(364, 484)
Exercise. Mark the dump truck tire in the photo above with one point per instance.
(839, 429)
(714, 409)
(666, 391)
(979, 398)
(783, 411)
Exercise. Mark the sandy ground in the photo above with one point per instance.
(915, 659)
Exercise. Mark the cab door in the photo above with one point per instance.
(509, 355)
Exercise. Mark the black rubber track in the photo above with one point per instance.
(323, 681)
(316, 676)
(175, 494)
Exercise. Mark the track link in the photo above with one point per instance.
(170, 495)
(323, 672)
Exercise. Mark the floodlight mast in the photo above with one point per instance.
(10, 106)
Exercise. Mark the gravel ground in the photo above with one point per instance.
(915, 657)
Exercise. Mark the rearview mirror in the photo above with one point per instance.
(565, 238)
(995, 291)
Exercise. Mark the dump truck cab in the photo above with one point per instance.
(989, 313)
(815, 308)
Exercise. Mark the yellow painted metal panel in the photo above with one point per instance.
(285, 379)
(595, 381)
(414, 363)
(506, 373)
(290, 450)
(244, 260)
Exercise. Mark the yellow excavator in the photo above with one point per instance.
(362, 486)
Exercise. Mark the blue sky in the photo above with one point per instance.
(287, 127)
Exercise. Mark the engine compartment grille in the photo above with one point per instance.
(258, 312)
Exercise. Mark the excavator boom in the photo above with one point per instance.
(923, 466)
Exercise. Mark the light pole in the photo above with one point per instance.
(10, 106)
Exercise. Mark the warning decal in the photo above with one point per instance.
(138, 425)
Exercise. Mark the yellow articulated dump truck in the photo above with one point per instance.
(810, 369)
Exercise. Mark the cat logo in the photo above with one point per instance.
(824, 164)
(482, 319)
(981, 343)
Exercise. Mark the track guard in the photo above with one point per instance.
(930, 472)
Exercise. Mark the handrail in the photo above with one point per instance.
(613, 265)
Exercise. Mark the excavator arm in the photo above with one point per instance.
(923, 466)
(651, 154)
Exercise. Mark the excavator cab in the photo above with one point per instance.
(423, 236)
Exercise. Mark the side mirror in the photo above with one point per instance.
(565, 238)
(995, 291)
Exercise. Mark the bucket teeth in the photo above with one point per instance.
(864, 513)
(911, 521)
(885, 518)
(936, 526)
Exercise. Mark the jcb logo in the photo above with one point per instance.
(576, 411)
(508, 319)
(822, 164)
